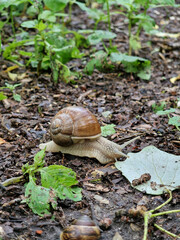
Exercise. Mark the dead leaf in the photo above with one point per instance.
(9, 69)
(101, 199)
(117, 236)
(22, 76)
(12, 76)
(142, 127)
(2, 141)
(135, 227)
(174, 79)
(97, 187)
(96, 173)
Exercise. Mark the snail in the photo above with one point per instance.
(81, 229)
(75, 130)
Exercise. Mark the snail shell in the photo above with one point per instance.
(73, 124)
(81, 229)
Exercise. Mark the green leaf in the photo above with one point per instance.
(138, 65)
(96, 14)
(108, 130)
(160, 3)
(17, 97)
(29, 24)
(23, 53)
(7, 54)
(99, 61)
(47, 16)
(56, 175)
(39, 199)
(99, 35)
(120, 57)
(76, 53)
(39, 158)
(7, 3)
(11, 86)
(38, 163)
(158, 107)
(32, 11)
(164, 170)
(171, 110)
(134, 42)
(174, 121)
(61, 179)
(56, 5)
(125, 3)
(2, 96)
(89, 68)
(40, 26)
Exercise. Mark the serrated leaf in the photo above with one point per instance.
(61, 179)
(108, 130)
(39, 158)
(38, 163)
(39, 198)
(132, 64)
(164, 169)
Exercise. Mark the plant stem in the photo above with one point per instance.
(109, 21)
(165, 212)
(166, 202)
(147, 216)
(12, 19)
(167, 232)
(12, 180)
(145, 13)
(129, 33)
(70, 10)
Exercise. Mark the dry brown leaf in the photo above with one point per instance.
(2, 141)
(117, 236)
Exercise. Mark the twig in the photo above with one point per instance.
(167, 232)
(84, 95)
(12, 180)
(149, 214)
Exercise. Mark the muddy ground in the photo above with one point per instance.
(25, 125)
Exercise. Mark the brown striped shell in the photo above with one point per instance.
(81, 229)
(73, 124)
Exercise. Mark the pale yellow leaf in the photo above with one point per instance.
(12, 76)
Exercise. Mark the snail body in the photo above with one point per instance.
(81, 229)
(76, 131)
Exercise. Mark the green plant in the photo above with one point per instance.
(52, 48)
(173, 120)
(57, 181)
(132, 10)
(150, 214)
(97, 14)
(2, 96)
(11, 87)
(158, 107)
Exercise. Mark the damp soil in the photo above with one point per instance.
(25, 124)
